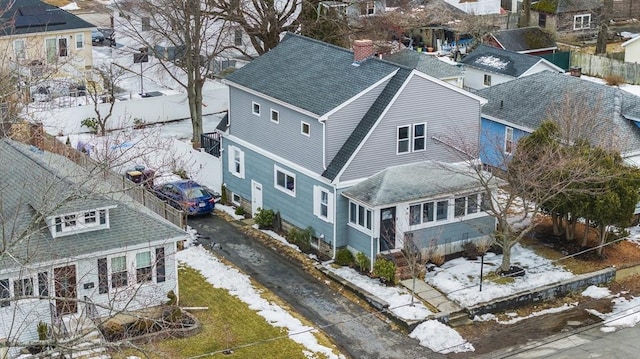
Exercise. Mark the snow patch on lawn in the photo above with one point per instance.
(625, 314)
(459, 278)
(238, 284)
(596, 292)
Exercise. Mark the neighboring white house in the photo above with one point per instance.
(72, 248)
(477, 7)
(632, 50)
(487, 66)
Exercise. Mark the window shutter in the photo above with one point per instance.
(330, 207)
(316, 201)
(160, 269)
(230, 160)
(103, 276)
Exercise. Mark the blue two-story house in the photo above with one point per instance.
(353, 146)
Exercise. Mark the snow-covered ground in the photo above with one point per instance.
(458, 279)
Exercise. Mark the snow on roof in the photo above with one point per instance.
(492, 61)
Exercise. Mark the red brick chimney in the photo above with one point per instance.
(362, 49)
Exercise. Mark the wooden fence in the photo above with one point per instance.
(600, 66)
(120, 183)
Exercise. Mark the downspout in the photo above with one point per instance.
(324, 147)
(335, 223)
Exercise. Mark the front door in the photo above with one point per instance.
(65, 287)
(387, 229)
(256, 197)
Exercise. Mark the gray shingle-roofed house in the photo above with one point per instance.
(523, 104)
(429, 65)
(62, 226)
(33, 32)
(309, 120)
(488, 66)
(525, 40)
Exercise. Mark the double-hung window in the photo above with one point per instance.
(285, 181)
(236, 161)
(508, 140)
(442, 210)
(143, 267)
(5, 294)
(487, 80)
(275, 116)
(19, 49)
(323, 204)
(79, 41)
(360, 216)
(118, 272)
(255, 108)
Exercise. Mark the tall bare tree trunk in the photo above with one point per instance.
(603, 238)
(585, 234)
(601, 44)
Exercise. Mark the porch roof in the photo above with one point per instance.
(414, 182)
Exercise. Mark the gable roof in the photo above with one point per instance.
(524, 39)
(630, 41)
(501, 61)
(413, 182)
(309, 74)
(35, 16)
(525, 102)
(37, 184)
(366, 123)
(424, 63)
(562, 6)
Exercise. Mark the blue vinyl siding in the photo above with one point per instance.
(492, 142)
(359, 241)
(296, 210)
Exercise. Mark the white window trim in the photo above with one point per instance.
(484, 80)
(582, 18)
(277, 120)
(76, 41)
(357, 225)
(80, 226)
(253, 107)
(451, 218)
(317, 204)
(233, 200)
(232, 161)
(24, 49)
(508, 137)
(277, 169)
(302, 124)
(413, 136)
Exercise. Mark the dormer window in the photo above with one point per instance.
(78, 222)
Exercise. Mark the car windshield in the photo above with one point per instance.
(196, 192)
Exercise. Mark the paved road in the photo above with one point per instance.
(358, 333)
(591, 343)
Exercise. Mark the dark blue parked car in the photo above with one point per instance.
(188, 196)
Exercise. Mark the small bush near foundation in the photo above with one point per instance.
(264, 218)
(344, 257)
(385, 270)
(362, 262)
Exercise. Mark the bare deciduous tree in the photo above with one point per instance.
(185, 37)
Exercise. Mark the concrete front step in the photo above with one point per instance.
(459, 319)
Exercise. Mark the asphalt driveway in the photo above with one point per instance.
(357, 332)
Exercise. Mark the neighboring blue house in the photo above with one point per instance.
(311, 124)
(518, 107)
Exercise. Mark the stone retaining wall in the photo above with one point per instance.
(545, 293)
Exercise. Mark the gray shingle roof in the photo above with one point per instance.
(525, 102)
(424, 63)
(365, 124)
(525, 39)
(36, 184)
(414, 182)
(310, 74)
(500, 61)
(34, 16)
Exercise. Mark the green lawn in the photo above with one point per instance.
(228, 323)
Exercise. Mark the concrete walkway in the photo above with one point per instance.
(432, 296)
